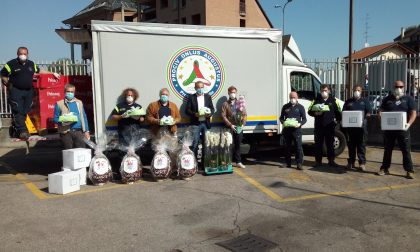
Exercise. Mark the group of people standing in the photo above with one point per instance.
(72, 134)
(327, 119)
(17, 76)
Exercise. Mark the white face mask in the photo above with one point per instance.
(356, 94)
(398, 92)
(22, 57)
(232, 96)
(324, 94)
(293, 101)
(129, 99)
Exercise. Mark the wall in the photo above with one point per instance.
(226, 13)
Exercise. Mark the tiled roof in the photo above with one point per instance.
(371, 51)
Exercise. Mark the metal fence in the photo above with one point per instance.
(377, 76)
(64, 67)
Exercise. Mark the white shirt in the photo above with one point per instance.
(200, 102)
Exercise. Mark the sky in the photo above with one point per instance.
(320, 27)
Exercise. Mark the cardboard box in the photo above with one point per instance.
(63, 182)
(76, 158)
(48, 81)
(82, 174)
(393, 120)
(352, 119)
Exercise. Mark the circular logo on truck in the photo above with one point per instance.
(192, 64)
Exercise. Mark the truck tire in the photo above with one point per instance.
(339, 143)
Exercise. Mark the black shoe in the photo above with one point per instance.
(333, 164)
(382, 172)
(299, 167)
(289, 165)
(318, 164)
(349, 166)
(409, 175)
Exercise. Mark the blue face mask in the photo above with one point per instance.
(200, 91)
(164, 98)
(69, 95)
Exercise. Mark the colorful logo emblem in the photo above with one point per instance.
(192, 64)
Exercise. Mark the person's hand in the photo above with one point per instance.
(57, 75)
(407, 126)
(233, 127)
(197, 115)
(87, 135)
(208, 115)
(141, 119)
(124, 115)
(298, 125)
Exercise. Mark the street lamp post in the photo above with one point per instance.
(283, 8)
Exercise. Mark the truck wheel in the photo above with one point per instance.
(339, 143)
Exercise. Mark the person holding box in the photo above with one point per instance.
(398, 102)
(163, 113)
(129, 114)
(70, 117)
(200, 109)
(293, 116)
(327, 113)
(356, 137)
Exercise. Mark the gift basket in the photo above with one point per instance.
(291, 123)
(167, 120)
(100, 171)
(204, 111)
(186, 161)
(131, 167)
(160, 167)
(70, 117)
(321, 107)
(135, 112)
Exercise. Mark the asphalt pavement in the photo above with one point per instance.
(323, 209)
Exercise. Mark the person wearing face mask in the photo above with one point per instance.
(71, 133)
(160, 108)
(195, 103)
(228, 115)
(400, 102)
(356, 137)
(127, 124)
(325, 122)
(17, 75)
(293, 110)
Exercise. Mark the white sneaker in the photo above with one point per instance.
(240, 165)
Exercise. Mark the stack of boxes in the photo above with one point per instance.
(73, 174)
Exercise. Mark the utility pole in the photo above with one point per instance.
(283, 8)
(350, 58)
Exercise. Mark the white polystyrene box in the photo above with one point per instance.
(63, 182)
(82, 174)
(76, 158)
(393, 120)
(352, 119)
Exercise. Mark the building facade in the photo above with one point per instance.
(232, 13)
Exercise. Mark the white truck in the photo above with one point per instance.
(264, 65)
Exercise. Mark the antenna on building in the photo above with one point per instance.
(366, 33)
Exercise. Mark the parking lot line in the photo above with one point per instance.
(258, 185)
(280, 199)
(42, 195)
(341, 193)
